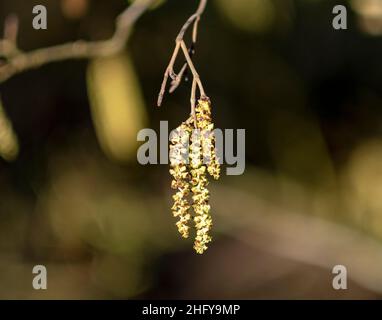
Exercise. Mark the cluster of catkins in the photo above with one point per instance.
(192, 156)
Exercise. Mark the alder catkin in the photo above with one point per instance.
(181, 176)
(192, 157)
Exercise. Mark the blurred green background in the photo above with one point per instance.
(74, 198)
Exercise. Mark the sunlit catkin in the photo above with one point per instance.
(205, 124)
(192, 157)
(200, 197)
(181, 177)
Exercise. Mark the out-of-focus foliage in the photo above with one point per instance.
(9, 146)
(249, 15)
(370, 15)
(117, 106)
(363, 185)
(74, 9)
(156, 4)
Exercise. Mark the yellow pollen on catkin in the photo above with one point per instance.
(192, 157)
(180, 182)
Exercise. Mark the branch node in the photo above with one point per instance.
(188, 65)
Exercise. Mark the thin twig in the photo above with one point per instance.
(195, 16)
(176, 82)
(22, 61)
(169, 73)
(178, 79)
(180, 44)
(193, 101)
(192, 68)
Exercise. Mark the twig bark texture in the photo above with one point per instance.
(180, 45)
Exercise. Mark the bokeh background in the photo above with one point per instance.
(74, 198)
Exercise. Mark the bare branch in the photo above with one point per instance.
(193, 101)
(180, 44)
(176, 82)
(22, 61)
(194, 17)
(11, 28)
(8, 46)
(192, 68)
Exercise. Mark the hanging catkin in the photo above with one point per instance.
(192, 157)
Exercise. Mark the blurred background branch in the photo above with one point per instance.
(17, 61)
(286, 232)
